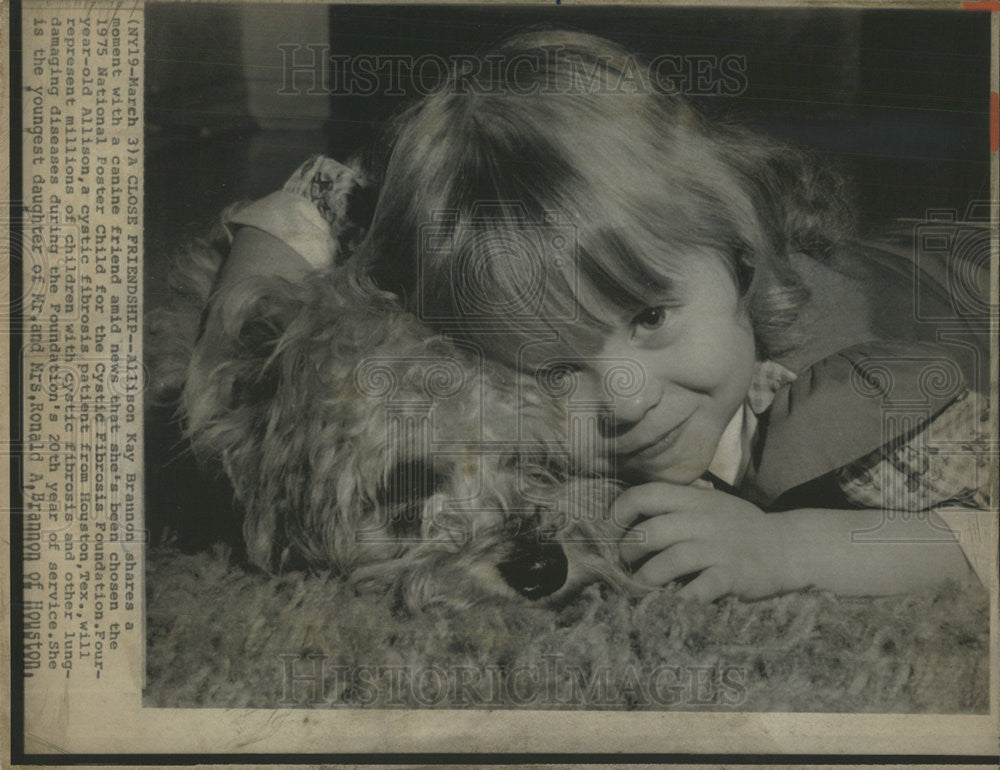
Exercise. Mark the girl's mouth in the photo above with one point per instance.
(659, 445)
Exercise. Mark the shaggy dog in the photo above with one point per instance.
(359, 442)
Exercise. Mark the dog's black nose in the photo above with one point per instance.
(536, 568)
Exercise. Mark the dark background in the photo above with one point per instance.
(899, 99)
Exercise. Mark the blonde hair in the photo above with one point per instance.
(487, 179)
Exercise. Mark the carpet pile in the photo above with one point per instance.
(221, 636)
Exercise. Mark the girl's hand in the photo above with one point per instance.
(737, 548)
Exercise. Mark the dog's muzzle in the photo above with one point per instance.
(536, 568)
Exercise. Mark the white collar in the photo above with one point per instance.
(732, 455)
(733, 452)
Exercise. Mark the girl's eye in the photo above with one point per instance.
(650, 318)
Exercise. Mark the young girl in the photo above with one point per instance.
(571, 216)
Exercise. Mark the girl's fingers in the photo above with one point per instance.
(659, 532)
(673, 563)
(713, 583)
(655, 498)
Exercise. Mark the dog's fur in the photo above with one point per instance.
(358, 441)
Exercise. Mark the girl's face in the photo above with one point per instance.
(694, 357)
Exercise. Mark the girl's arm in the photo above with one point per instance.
(871, 552)
(302, 227)
(738, 549)
(944, 467)
(253, 253)
(258, 253)
(306, 225)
